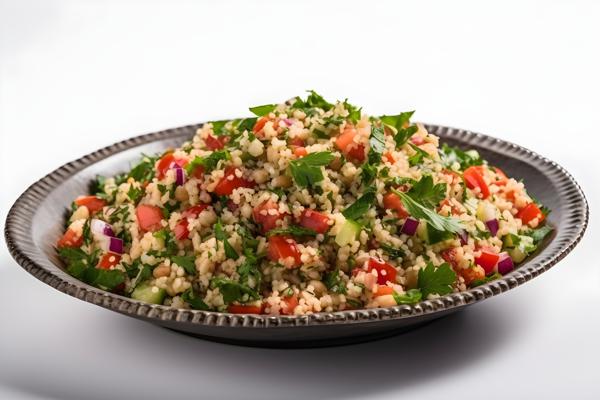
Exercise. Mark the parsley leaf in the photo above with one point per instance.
(418, 157)
(221, 236)
(391, 251)
(218, 127)
(434, 280)
(186, 262)
(334, 282)
(135, 194)
(479, 282)
(292, 230)
(404, 134)
(209, 162)
(263, 110)
(107, 279)
(450, 155)
(249, 270)
(144, 170)
(539, 234)
(246, 124)
(360, 206)
(354, 113)
(397, 121)
(316, 100)
(438, 222)
(411, 296)
(427, 193)
(233, 291)
(192, 298)
(306, 171)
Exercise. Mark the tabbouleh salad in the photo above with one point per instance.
(309, 206)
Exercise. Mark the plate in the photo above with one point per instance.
(34, 223)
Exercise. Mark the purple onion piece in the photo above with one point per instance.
(115, 245)
(288, 121)
(101, 227)
(410, 226)
(463, 236)
(493, 226)
(505, 265)
(179, 176)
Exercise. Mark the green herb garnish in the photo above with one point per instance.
(306, 171)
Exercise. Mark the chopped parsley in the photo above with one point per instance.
(540, 233)
(434, 280)
(186, 262)
(479, 282)
(83, 266)
(465, 159)
(234, 291)
(209, 162)
(221, 236)
(418, 157)
(314, 100)
(428, 194)
(135, 194)
(436, 221)
(392, 251)
(249, 271)
(360, 206)
(404, 134)
(306, 171)
(292, 230)
(354, 112)
(411, 296)
(377, 147)
(144, 170)
(334, 282)
(263, 110)
(194, 300)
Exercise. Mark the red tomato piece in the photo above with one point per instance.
(297, 142)
(244, 309)
(291, 302)
(198, 172)
(345, 142)
(449, 255)
(230, 182)
(385, 272)
(474, 273)
(530, 212)
(314, 220)
(382, 290)
(300, 152)
(389, 157)
(216, 143)
(166, 162)
(93, 203)
(282, 247)
(109, 260)
(70, 239)
(501, 178)
(474, 179)
(392, 201)
(181, 229)
(260, 124)
(149, 217)
(417, 140)
(487, 260)
(266, 215)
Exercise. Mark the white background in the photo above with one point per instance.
(79, 75)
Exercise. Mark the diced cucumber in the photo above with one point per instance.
(517, 254)
(348, 233)
(422, 232)
(148, 293)
(485, 211)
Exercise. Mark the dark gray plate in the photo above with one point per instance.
(36, 219)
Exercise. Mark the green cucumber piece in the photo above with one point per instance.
(348, 233)
(148, 293)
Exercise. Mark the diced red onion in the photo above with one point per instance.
(505, 264)
(288, 121)
(179, 176)
(410, 226)
(115, 245)
(493, 226)
(463, 236)
(101, 227)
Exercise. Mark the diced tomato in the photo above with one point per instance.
(166, 162)
(314, 220)
(149, 217)
(389, 157)
(449, 255)
(92, 203)
(382, 290)
(417, 140)
(392, 201)
(230, 182)
(501, 178)
(282, 247)
(260, 124)
(198, 172)
(70, 239)
(266, 215)
(109, 260)
(291, 302)
(454, 210)
(181, 229)
(297, 142)
(244, 309)
(487, 260)
(472, 274)
(385, 272)
(345, 142)
(474, 179)
(300, 152)
(216, 143)
(530, 212)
